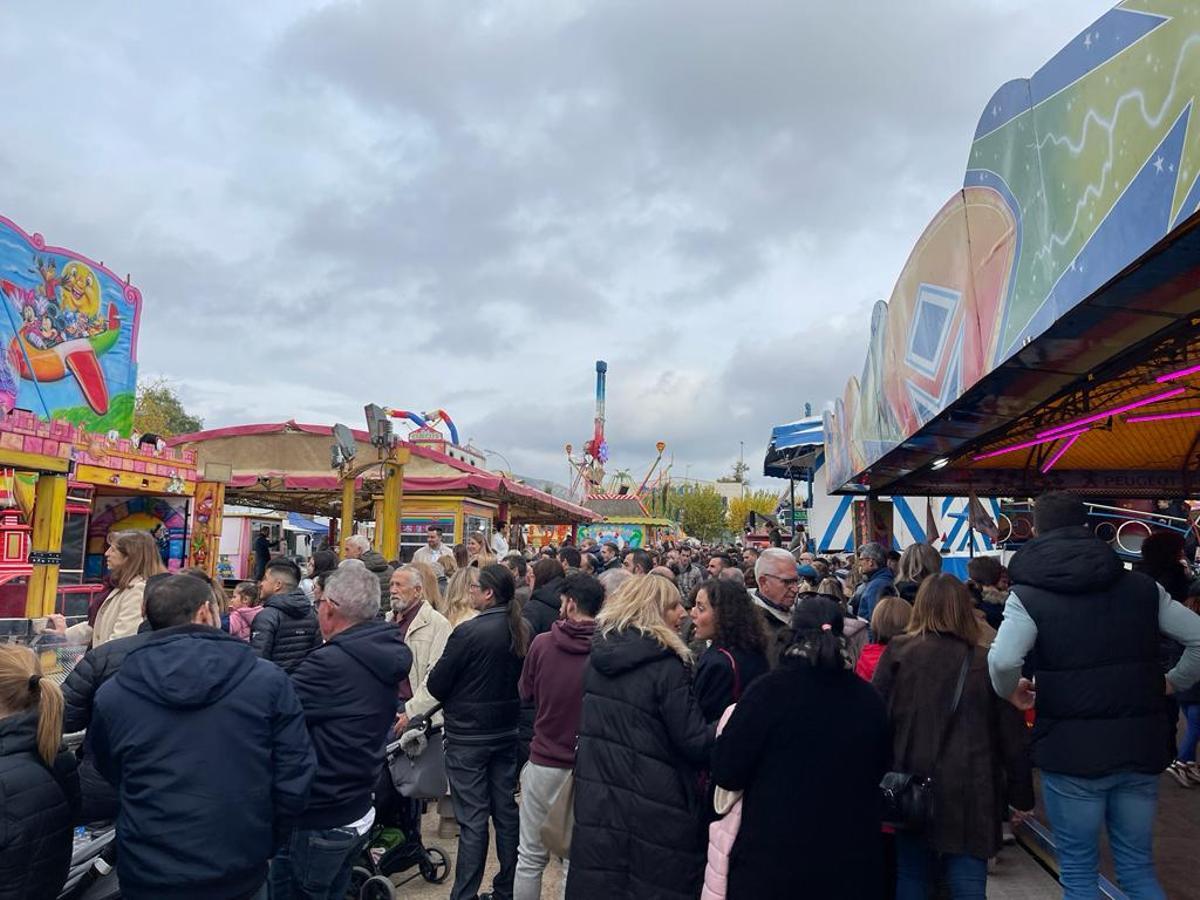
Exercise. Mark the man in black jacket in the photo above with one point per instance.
(610, 555)
(1090, 631)
(476, 680)
(286, 629)
(207, 748)
(349, 690)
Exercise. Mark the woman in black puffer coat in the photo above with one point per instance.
(639, 826)
(39, 790)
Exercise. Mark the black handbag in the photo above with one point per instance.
(908, 798)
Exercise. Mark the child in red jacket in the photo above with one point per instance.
(888, 619)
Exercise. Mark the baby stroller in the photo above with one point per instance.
(92, 875)
(415, 772)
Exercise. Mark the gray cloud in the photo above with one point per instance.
(326, 203)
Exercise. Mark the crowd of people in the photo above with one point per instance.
(716, 720)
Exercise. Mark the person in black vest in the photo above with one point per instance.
(286, 629)
(1090, 631)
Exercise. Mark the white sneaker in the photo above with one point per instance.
(1193, 771)
(1179, 772)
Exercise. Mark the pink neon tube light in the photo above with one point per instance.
(1060, 451)
(1157, 417)
(1027, 445)
(1096, 417)
(1179, 373)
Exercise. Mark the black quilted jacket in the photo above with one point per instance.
(286, 629)
(97, 666)
(36, 809)
(639, 822)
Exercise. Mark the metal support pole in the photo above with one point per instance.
(347, 527)
(792, 500)
(45, 552)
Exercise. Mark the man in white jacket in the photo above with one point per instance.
(425, 630)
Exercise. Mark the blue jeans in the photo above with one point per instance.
(315, 864)
(918, 869)
(1079, 807)
(1191, 715)
(483, 780)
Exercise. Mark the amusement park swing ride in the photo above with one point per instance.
(623, 508)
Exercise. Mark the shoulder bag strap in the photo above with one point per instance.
(958, 692)
(737, 681)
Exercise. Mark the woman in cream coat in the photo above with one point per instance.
(132, 557)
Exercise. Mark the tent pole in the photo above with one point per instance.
(792, 498)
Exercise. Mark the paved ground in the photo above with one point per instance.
(419, 889)
(1017, 876)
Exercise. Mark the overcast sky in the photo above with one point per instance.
(328, 204)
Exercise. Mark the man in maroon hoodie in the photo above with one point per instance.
(553, 680)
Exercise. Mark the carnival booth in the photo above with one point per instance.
(287, 466)
(625, 522)
(1045, 331)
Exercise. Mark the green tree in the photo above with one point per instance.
(159, 411)
(701, 512)
(737, 473)
(756, 501)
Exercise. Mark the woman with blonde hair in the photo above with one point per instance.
(457, 606)
(477, 548)
(429, 584)
(38, 782)
(642, 743)
(917, 562)
(949, 725)
(132, 557)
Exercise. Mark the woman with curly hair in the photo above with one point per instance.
(724, 615)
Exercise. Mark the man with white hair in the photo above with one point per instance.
(425, 631)
(358, 547)
(778, 584)
(348, 688)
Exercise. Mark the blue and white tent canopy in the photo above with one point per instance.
(796, 449)
(297, 522)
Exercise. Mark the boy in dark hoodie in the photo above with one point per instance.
(552, 679)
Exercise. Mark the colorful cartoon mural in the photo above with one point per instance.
(68, 334)
(623, 535)
(1073, 174)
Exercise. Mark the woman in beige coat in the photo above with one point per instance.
(132, 557)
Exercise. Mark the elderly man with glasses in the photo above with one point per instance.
(348, 689)
(778, 584)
